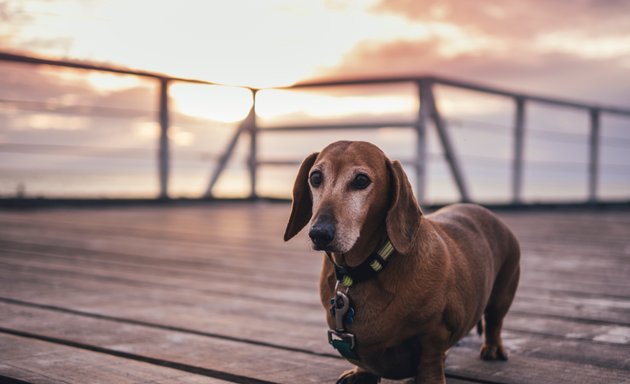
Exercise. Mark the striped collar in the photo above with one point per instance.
(376, 262)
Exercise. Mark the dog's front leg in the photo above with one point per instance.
(357, 376)
(432, 356)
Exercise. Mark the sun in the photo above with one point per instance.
(219, 103)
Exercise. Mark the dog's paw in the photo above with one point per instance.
(493, 352)
(356, 376)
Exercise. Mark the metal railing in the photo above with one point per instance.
(163, 81)
(427, 112)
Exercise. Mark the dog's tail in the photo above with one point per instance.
(480, 327)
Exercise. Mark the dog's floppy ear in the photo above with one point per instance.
(403, 216)
(302, 207)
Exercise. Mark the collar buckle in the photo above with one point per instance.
(344, 343)
(341, 340)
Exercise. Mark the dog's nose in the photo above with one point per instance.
(322, 233)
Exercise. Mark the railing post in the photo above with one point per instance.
(447, 147)
(244, 127)
(163, 150)
(253, 152)
(424, 112)
(517, 161)
(225, 157)
(593, 164)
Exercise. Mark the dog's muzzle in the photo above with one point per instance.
(322, 233)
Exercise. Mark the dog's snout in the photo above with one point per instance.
(322, 233)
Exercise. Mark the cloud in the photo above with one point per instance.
(10, 17)
(571, 49)
(559, 74)
(522, 19)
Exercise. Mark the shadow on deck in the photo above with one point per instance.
(211, 294)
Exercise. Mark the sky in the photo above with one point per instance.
(572, 49)
(559, 47)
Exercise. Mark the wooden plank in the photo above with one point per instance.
(531, 342)
(231, 357)
(577, 226)
(555, 274)
(275, 364)
(585, 263)
(307, 333)
(587, 333)
(228, 231)
(132, 303)
(36, 361)
(315, 337)
(270, 286)
(26, 360)
(170, 269)
(199, 261)
(599, 309)
(230, 279)
(596, 309)
(521, 369)
(292, 286)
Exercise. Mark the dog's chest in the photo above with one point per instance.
(369, 317)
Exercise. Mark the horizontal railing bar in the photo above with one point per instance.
(355, 81)
(547, 134)
(334, 126)
(324, 83)
(464, 85)
(291, 162)
(477, 159)
(529, 97)
(5, 56)
(75, 109)
(95, 151)
(278, 162)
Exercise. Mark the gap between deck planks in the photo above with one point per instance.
(168, 271)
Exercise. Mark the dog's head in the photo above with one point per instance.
(351, 189)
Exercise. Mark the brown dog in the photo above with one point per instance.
(447, 269)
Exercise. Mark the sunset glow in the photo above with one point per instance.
(224, 104)
(274, 104)
(243, 42)
(576, 50)
(279, 42)
(105, 82)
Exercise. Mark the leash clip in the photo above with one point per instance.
(344, 342)
(340, 307)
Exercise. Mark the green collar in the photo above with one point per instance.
(376, 262)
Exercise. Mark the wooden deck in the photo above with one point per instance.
(211, 294)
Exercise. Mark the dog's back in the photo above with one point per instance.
(480, 228)
(491, 255)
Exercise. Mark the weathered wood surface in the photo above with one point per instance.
(212, 294)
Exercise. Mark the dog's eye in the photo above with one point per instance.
(361, 181)
(316, 178)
